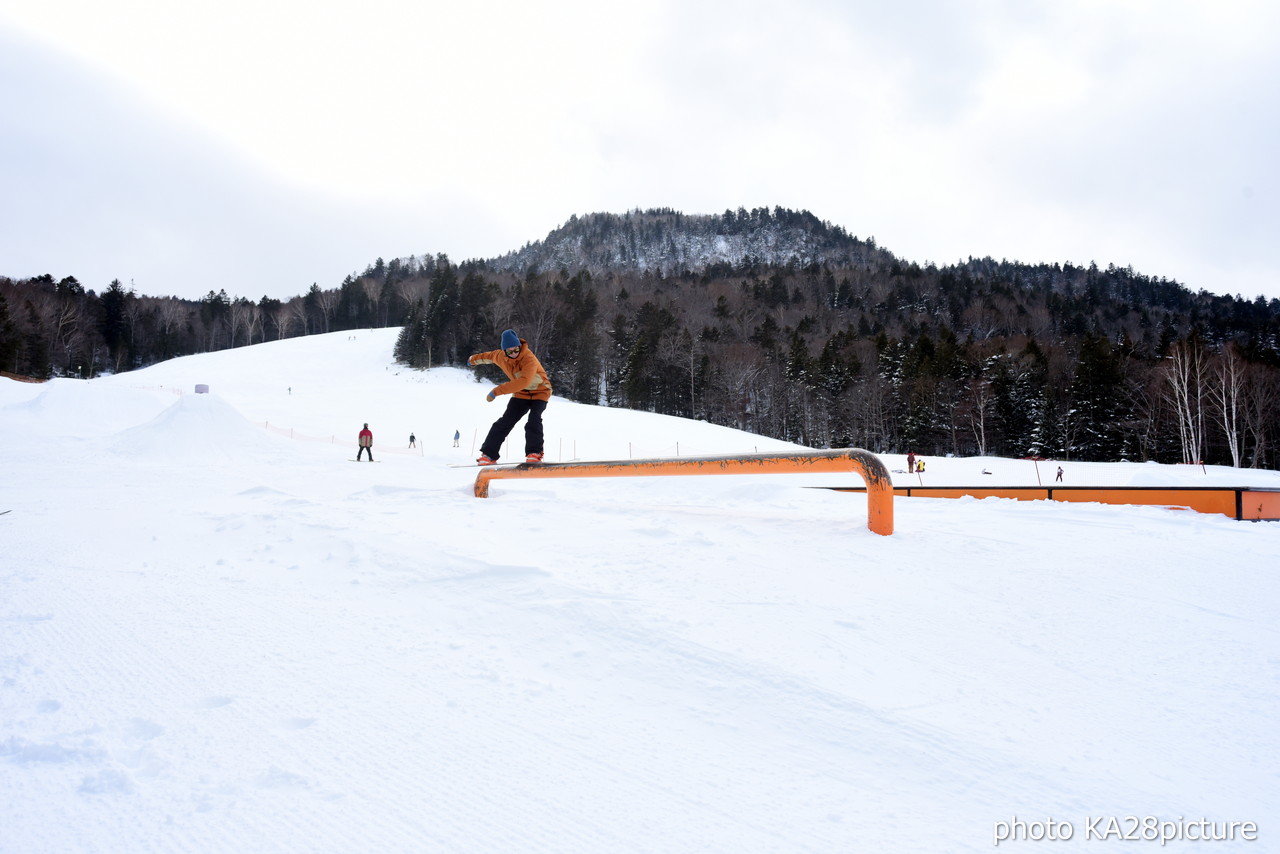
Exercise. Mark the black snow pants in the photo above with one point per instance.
(517, 407)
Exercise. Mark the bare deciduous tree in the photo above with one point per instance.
(170, 312)
(976, 409)
(1261, 410)
(1226, 393)
(298, 314)
(328, 304)
(1186, 371)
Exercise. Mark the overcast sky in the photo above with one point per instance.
(262, 145)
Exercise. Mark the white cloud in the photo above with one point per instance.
(1127, 132)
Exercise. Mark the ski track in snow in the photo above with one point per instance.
(253, 647)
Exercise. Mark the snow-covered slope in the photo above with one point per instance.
(217, 634)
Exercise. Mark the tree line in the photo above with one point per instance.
(59, 328)
(982, 357)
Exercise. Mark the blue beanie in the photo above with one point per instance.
(510, 339)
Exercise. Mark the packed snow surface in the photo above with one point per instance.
(217, 633)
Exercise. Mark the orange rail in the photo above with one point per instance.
(1258, 504)
(866, 464)
(1202, 500)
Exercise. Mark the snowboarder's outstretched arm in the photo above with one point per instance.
(525, 374)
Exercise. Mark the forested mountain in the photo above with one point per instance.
(668, 242)
(771, 321)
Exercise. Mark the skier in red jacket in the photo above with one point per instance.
(365, 441)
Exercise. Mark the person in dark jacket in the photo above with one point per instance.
(530, 389)
(365, 441)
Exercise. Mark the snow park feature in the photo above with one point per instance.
(879, 486)
(215, 636)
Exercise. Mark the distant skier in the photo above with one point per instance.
(1058, 479)
(456, 436)
(530, 389)
(413, 442)
(911, 460)
(365, 441)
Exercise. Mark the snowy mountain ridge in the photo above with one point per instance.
(668, 242)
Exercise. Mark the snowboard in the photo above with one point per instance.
(492, 465)
(362, 461)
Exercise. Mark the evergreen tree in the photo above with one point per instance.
(38, 346)
(1097, 402)
(442, 312)
(354, 309)
(8, 338)
(1018, 401)
(413, 344)
(112, 324)
(472, 330)
(575, 365)
(621, 339)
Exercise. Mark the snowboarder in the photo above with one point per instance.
(413, 442)
(911, 460)
(456, 436)
(365, 441)
(1059, 477)
(530, 389)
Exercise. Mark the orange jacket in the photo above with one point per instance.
(526, 378)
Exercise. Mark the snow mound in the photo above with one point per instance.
(78, 408)
(198, 427)
(1155, 474)
(14, 391)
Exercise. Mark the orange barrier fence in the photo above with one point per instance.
(1243, 503)
(20, 378)
(1259, 504)
(879, 485)
(333, 440)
